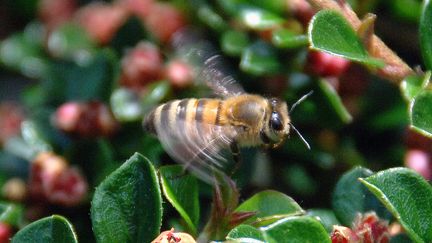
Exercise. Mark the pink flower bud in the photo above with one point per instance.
(101, 20)
(164, 20)
(141, 65)
(326, 65)
(5, 233)
(11, 116)
(179, 73)
(69, 188)
(52, 180)
(302, 10)
(89, 119)
(419, 161)
(170, 236)
(371, 229)
(56, 12)
(140, 8)
(341, 234)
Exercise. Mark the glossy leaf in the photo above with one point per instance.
(156, 93)
(350, 197)
(425, 33)
(126, 105)
(412, 85)
(47, 230)
(259, 19)
(408, 196)
(181, 190)
(325, 216)
(296, 229)
(269, 206)
(211, 18)
(11, 214)
(330, 32)
(284, 38)
(420, 113)
(245, 233)
(127, 205)
(259, 59)
(20, 53)
(71, 42)
(332, 97)
(234, 42)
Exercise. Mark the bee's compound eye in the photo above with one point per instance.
(275, 121)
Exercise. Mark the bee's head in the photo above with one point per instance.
(277, 123)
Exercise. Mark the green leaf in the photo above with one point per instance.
(408, 196)
(125, 105)
(47, 230)
(269, 206)
(234, 42)
(412, 85)
(20, 53)
(127, 206)
(285, 38)
(211, 18)
(259, 19)
(420, 113)
(11, 214)
(406, 10)
(332, 97)
(330, 32)
(425, 32)
(245, 233)
(292, 229)
(157, 91)
(259, 59)
(325, 216)
(296, 229)
(181, 190)
(350, 197)
(71, 42)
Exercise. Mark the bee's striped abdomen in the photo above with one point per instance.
(176, 114)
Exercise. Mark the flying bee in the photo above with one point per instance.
(198, 132)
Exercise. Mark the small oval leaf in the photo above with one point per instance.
(326, 216)
(47, 230)
(408, 196)
(245, 233)
(11, 214)
(269, 206)
(234, 42)
(296, 229)
(350, 197)
(412, 85)
(181, 190)
(330, 32)
(127, 205)
(285, 38)
(259, 58)
(420, 113)
(259, 19)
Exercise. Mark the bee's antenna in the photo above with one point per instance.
(300, 101)
(298, 133)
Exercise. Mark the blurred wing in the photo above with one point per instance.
(201, 148)
(209, 67)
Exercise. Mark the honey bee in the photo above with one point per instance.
(198, 132)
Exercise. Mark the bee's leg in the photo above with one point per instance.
(236, 156)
